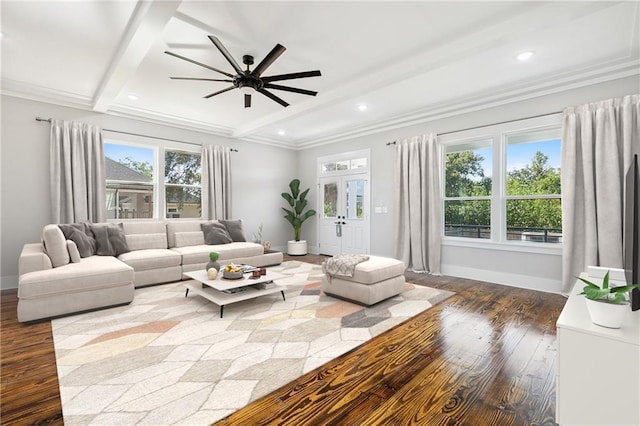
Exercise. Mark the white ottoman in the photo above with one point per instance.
(373, 281)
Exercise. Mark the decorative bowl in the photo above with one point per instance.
(232, 275)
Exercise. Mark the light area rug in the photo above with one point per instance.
(171, 359)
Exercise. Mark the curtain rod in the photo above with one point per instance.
(491, 124)
(48, 120)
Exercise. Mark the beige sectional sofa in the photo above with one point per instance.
(54, 280)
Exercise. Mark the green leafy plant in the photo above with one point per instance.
(298, 202)
(213, 256)
(605, 293)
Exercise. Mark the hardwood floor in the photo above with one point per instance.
(485, 356)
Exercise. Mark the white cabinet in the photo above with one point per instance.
(598, 377)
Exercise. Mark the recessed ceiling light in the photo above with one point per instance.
(362, 107)
(525, 56)
(132, 97)
(281, 132)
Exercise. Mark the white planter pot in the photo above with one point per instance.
(609, 315)
(297, 248)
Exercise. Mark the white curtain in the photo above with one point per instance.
(216, 182)
(77, 172)
(419, 203)
(598, 143)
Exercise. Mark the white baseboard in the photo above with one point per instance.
(8, 282)
(513, 280)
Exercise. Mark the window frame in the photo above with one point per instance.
(166, 185)
(159, 147)
(498, 134)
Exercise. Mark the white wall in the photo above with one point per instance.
(259, 174)
(540, 270)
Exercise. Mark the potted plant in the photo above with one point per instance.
(296, 216)
(607, 306)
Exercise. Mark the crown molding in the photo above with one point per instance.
(522, 91)
(556, 83)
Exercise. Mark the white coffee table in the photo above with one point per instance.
(223, 291)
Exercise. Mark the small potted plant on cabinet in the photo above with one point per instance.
(607, 306)
(296, 216)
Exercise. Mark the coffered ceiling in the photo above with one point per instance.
(406, 61)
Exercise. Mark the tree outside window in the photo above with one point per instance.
(183, 191)
(524, 191)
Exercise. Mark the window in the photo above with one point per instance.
(533, 204)
(468, 188)
(504, 184)
(182, 179)
(343, 165)
(129, 181)
(136, 187)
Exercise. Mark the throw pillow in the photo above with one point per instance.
(235, 229)
(80, 233)
(74, 254)
(110, 239)
(215, 233)
(55, 245)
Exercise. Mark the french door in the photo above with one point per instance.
(344, 214)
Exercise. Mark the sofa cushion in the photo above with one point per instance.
(74, 254)
(146, 241)
(235, 228)
(80, 233)
(184, 239)
(146, 235)
(90, 273)
(110, 239)
(55, 245)
(215, 233)
(142, 260)
(174, 226)
(200, 254)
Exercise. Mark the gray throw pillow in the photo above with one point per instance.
(215, 233)
(110, 239)
(235, 229)
(80, 233)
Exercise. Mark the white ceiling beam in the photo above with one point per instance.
(144, 28)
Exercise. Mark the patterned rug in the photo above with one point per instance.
(167, 359)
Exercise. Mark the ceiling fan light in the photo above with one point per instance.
(247, 90)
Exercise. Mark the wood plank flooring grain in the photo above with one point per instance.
(485, 356)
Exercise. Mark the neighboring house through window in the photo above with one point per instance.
(132, 182)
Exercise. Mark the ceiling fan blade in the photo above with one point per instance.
(268, 60)
(199, 63)
(226, 54)
(200, 79)
(290, 89)
(291, 76)
(273, 97)
(247, 100)
(220, 91)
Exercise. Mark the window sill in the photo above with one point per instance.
(524, 247)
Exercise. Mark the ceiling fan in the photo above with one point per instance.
(249, 81)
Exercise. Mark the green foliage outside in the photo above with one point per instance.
(465, 178)
(182, 169)
(143, 167)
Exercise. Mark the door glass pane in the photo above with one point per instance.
(468, 219)
(330, 199)
(355, 199)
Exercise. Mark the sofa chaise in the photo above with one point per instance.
(54, 279)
